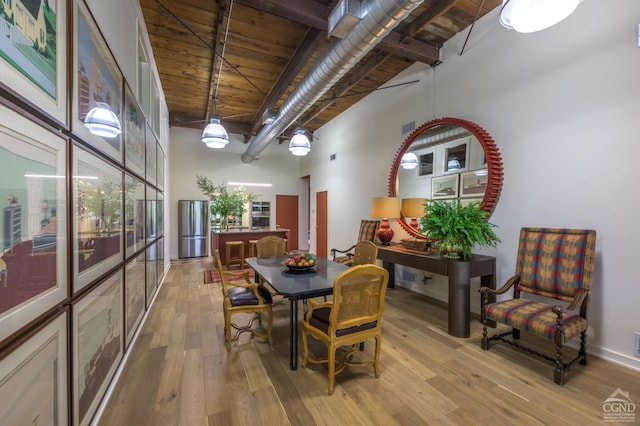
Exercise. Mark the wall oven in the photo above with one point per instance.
(260, 214)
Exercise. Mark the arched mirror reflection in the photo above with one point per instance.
(445, 159)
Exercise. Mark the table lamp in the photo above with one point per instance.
(413, 208)
(385, 208)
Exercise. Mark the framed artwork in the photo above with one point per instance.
(134, 139)
(133, 214)
(97, 213)
(426, 163)
(456, 156)
(33, 259)
(443, 187)
(160, 214)
(96, 78)
(33, 378)
(466, 201)
(152, 147)
(160, 261)
(151, 214)
(33, 58)
(160, 167)
(134, 294)
(97, 345)
(152, 272)
(473, 184)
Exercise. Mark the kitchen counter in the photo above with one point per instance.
(220, 237)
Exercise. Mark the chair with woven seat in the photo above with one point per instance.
(553, 265)
(365, 252)
(368, 231)
(243, 297)
(354, 316)
(271, 245)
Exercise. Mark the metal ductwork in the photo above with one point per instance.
(379, 17)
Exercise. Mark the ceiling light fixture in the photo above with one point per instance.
(409, 161)
(528, 16)
(215, 135)
(299, 144)
(102, 121)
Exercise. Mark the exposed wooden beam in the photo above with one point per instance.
(427, 17)
(215, 67)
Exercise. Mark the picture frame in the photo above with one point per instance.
(33, 378)
(151, 148)
(445, 187)
(160, 167)
(473, 184)
(33, 259)
(97, 344)
(152, 272)
(40, 74)
(96, 78)
(151, 214)
(466, 201)
(134, 134)
(134, 293)
(133, 214)
(97, 211)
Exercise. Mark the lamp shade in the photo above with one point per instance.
(413, 207)
(385, 207)
(101, 121)
(528, 16)
(299, 144)
(409, 161)
(214, 135)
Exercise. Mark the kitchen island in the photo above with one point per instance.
(220, 237)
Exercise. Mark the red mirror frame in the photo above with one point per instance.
(494, 164)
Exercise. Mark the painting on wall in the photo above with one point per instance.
(473, 184)
(152, 272)
(134, 138)
(134, 294)
(33, 273)
(97, 79)
(133, 214)
(151, 214)
(33, 378)
(97, 345)
(443, 187)
(160, 167)
(97, 208)
(152, 146)
(33, 54)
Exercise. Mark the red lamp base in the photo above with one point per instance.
(385, 233)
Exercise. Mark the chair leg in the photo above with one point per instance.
(515, 333)
(332, 366)
(559, 371)
(270, 326)
(227, 329)
(305, 348)
(484, 343)
(583, 348)
(376, 356)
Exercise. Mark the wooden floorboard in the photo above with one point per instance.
(180, 373)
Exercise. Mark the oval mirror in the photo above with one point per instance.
(445, 159)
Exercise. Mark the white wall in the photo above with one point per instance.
(190, 157)
(561, 105)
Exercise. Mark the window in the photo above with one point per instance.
(425, 163)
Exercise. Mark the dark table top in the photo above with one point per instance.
(300, 284)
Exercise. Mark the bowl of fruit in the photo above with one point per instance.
(300, 262)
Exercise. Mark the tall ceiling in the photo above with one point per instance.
(250, 54)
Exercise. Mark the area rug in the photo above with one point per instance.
(213, 276)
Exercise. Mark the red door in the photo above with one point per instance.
(287, 217)
(321, 223)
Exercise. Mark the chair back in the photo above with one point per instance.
(365, 252)
(223, 277)
(358, 298)
(271, 245)
(555, 262)
(368, 230)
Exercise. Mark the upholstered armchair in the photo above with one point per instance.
(354, 316)
(368, 231)
(243, 296)
(555, 265)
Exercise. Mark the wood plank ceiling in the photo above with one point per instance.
(270, 46)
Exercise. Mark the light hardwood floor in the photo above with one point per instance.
(179, 372)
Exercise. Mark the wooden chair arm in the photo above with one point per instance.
(334, 251)
(244, 275)
(574, 305)
(313, 304)
(510, 283)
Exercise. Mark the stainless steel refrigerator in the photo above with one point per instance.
(193, 228)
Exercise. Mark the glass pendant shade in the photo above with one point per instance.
(409, 161)
(299, 144)
(453, 164)
(101, 121)
(528, 16)
(214, 135)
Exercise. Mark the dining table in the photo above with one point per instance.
(296, 285)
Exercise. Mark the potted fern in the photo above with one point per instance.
(457, 228)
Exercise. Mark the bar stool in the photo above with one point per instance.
(239, 258)
(252, 248)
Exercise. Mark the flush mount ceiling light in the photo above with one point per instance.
(214, 135)
(299, 144)
(409, 161)
(103, 122)
(528, 16)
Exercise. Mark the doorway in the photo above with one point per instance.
(287, 217)
(322, 249)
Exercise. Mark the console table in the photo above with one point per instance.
(459, 272)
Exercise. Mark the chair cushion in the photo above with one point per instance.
(320, 320)
(240, 296)
(534, 317)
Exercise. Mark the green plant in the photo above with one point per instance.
(457, 227)
(222, 202)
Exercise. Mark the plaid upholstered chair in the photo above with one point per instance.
(368, 232)
(555, 265)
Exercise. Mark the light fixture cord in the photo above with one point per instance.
(472, 24)
(433, 90)
(224, 47)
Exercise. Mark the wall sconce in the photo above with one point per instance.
(103, 122)
(528, 16)
(214, 135)
(409, 161)
(385, 208)
(299, 144)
